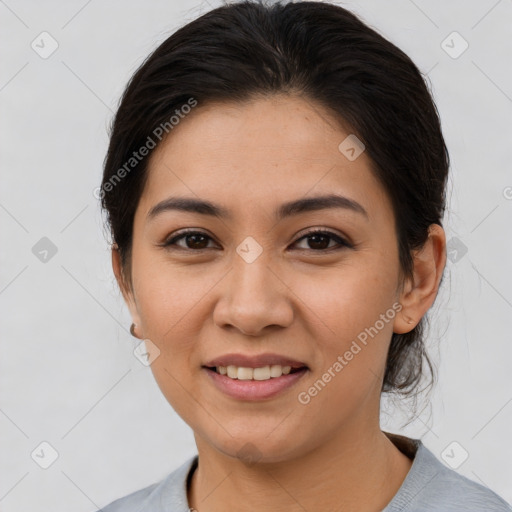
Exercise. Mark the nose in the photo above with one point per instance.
(254, 299)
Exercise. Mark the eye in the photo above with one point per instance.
(320, 240)
(195, 240)
(317, 240)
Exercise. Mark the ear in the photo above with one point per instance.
(420, 292)
(126, 290)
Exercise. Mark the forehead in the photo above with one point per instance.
(266, 150)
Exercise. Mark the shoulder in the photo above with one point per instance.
(131, 502)
(431, 486)
(451, 491)
(168, 494)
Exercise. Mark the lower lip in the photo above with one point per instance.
(254, 389)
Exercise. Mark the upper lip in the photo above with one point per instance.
(255, 361)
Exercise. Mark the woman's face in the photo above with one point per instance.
(251, 282)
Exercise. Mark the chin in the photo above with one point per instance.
(258, 449)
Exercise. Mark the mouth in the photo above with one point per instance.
(254, 384)
(250, 377)
(261, 373)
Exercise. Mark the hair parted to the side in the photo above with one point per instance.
(321, 52)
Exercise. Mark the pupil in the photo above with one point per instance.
(316, 240)
(195, 243)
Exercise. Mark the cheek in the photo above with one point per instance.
(352, 311)
(169, 305)
(162, 305)
(168, 294)
(348, 298)
(352, 351)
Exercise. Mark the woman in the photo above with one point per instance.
(275, 186)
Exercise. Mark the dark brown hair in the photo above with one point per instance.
(326, 54)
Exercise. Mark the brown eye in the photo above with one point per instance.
(194, 240)
(316, 241)
(321, 240)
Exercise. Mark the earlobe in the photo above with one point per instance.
(421, 290)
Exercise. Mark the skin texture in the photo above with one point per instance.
(294, 300)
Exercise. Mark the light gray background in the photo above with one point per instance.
(68, 373)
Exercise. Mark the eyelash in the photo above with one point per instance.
(342, 243)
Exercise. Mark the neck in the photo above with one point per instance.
(352, 471)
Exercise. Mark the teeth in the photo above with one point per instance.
(262, 373)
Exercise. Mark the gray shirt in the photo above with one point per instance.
(429, 486)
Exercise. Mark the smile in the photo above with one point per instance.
(262, 373)
(251, 384)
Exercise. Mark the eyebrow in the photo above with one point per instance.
(309, 204)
